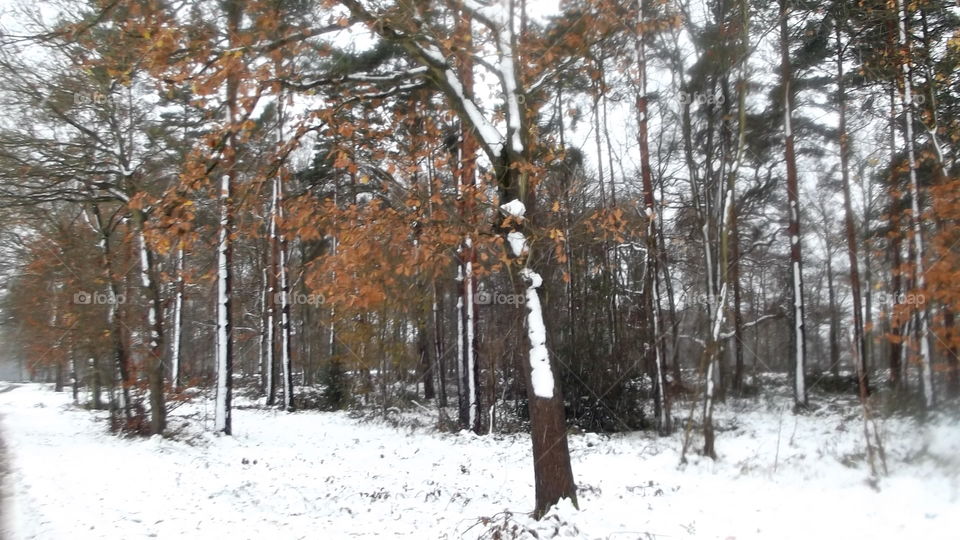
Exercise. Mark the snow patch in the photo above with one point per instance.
(329, 472)
(518, 242)
(541, 376)
(514, 208)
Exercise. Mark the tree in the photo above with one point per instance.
(859, 340)
(512, 155)
(793, 212)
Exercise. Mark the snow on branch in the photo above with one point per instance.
(498, 19)
(360, 77)
(489, 15)
(730, 335)
(515, 209)
(446, 77)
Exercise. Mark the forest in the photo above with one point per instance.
(555, 219)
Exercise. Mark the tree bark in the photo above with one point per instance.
(906, 100)
(121, 362)
(223, 415)
(651, 287)
(798, 331)
(155, 371)
(177, 340)
(859, 340)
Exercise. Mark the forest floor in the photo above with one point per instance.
(334, 475)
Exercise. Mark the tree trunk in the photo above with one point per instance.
(222, 411)
(471, 402)
(270, 315)
(798, 331)
(74, 372)
(552, 471)
(894, 251)
(734, 241)
(223, 414)
(121, 361)
(424, 366)
(651, 288)
(155, 374)
(834, 315)
(438, 346)
(953, 364)
(177, 340)
(96, 384)
(906, 100)
(286, 363)
(859, 340)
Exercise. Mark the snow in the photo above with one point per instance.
(223, 309)
(487, 131)
(541, 375)
(798, 352)
(517, 242)
(285, 359)
(532, 277)
(514, 208)
(470, 328)
(146, 281)
(310, 472)
(177, 320)
(488, 14)
(508, 77)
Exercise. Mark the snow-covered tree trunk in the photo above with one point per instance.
(471, 414)
(223, 405)
(155, 371)
(272, 297)
(54, 323)
(462, 384)
(262, 337)
(269, 325)
(552, 471)
(711, 352)
(466, 331)
(74, 372)
(121, 363)
(285, 360)
(332, 328)
(798, 353)
(177, 340)
(906, 100)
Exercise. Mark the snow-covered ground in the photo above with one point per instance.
(328, 475)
